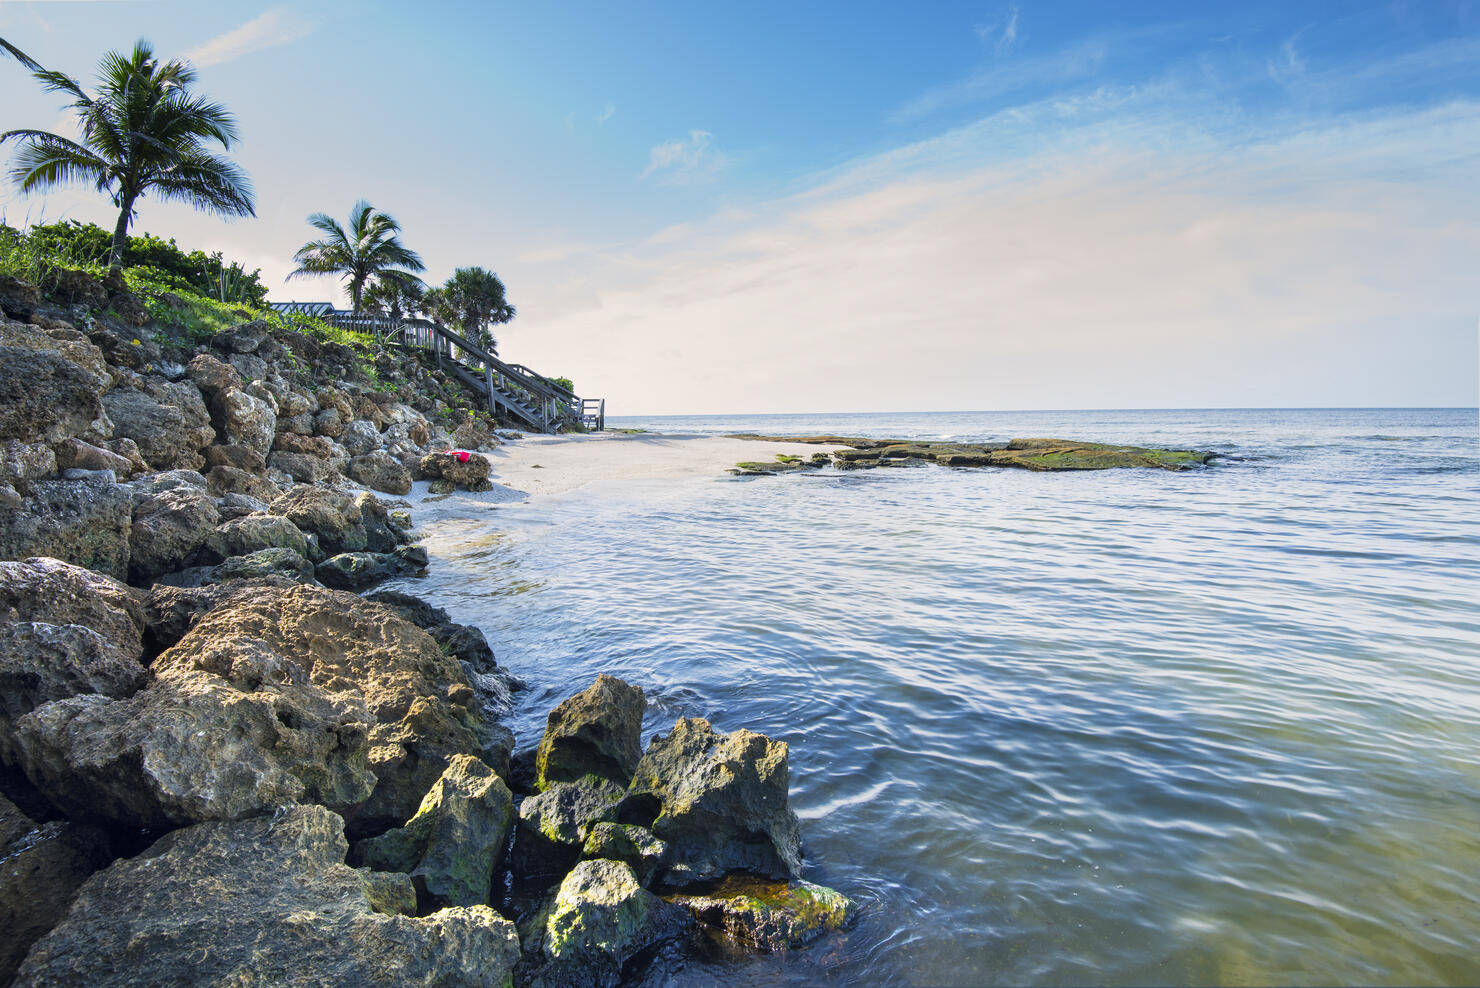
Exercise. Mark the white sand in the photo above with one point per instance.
(543, 465)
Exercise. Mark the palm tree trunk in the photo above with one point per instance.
(120, 236)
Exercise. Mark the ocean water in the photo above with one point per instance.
(1123, 727)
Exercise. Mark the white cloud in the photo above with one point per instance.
(684, 160)
(277, 26)
(606, 113)
(1289, 65)
(1001, 34)
(1136, 259)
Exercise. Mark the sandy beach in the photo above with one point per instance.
(546, 465)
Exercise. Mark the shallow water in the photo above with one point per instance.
(1125, 727)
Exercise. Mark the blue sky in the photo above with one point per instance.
(800, 207)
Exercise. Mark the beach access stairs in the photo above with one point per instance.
(514, 392)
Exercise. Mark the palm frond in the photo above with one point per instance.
(209, 183)
(47, 160)
(20, 56)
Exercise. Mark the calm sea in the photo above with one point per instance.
(1130, 727)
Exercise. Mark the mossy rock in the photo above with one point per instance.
(766, 914)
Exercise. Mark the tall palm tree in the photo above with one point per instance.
(394, 297)
(477, 297)
(370, 246)
(143, 131)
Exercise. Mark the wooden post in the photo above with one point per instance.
(601, 417)
(488, 379)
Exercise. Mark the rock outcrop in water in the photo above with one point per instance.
(1027, 454)
(196, 722)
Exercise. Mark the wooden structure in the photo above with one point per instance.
(511, 390)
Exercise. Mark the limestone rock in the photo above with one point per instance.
(596, 732)
(599, 919)
(18, 299)
(380, 534)
(26, 461)
(168, 528)
(303, 468)
(44, 865)
(85, 523)
(450, 468)
(76, 454)
(262, 902)
(211, 375)
(328, 423)
(629, 843)
(382, 472)
(457, 838)
(334, 517)
(769, 915)
(56, 592)
(244, 420)
(169, 424)
(44, 396)
(169, 612)
(246, 338)
(360, 437)
(235, 455)
(357, 570)
(233, 506)
(231, 480)
(553, 826)
(249, 534)
(719, 800)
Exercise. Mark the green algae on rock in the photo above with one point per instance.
(1028, 454)
(767, 914)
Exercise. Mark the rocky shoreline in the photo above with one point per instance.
(220, 764)
(1023, 454)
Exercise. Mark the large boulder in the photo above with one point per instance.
(769, 915)
(256, 566)
(167, 530)
(169, 612)
(45, 864)
(457, 838)
(231, 480)
(169, 423)
(302, 467)
(449, 466)
(237, 456)
(360, 437)
(57, 592)
(357, 570)
(597, 732)
(211, 375)
(259, 902)
(244, 338)
(719, 801)
(554, 825)
(250, 533)
(380, 471)
(334, 517)
(26, 461)
(18, 299)
(45, 396)
(381, 534)
(88, 523)
(598, 920)
(244, 420)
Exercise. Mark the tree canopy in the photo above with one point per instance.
(369, 246)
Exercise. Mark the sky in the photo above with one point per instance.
(827, 207)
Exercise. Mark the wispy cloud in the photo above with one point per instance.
(999, 35)
(606, 113)
(1288, 65)
(277, 26)
(685, 160)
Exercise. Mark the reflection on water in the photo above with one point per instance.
(1131, 727)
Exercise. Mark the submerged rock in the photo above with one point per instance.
(597, 732)
(719, 800)
(769, 915)
(266, 901)
(457, 838)
(598, 919)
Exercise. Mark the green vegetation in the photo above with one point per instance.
(567, 384)
(475, 297)
(33, 259)
(368, 247)
(143, 132)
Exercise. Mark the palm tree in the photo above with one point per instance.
(144, 131)
(477, 297)
(393, 297)
(370, 247)
(19, 55)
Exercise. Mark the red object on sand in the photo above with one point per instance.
(462, 455)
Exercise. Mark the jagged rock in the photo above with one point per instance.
(211, 375)
(244, 420)
(129, 450)
(441, 487)
(18, 299)
(56, 592)
(168, 528)
(629, 843)
(457, 838)
(245, 338)
(168, 426)
(473, 435)
(241, 457)
(243, 536)
(450, 468)
(597, 732)
(334, 517)
(88, 524)
(380, 534)
(26, 461)
(44, 865)
(300, 425)
(303, 468)
(233, 506)
(400, 520)
(356, 570)
(360, 437)
(167, 480)
(380, 471)
(719, 800)
(769, 915)
(315, 446)
(169, 612)
(76, 454)
(599, 919)
(328, 423)
(277, 561)
(223, 480)
(553, 826)
(266, 901)
(44, 396)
